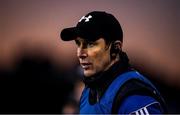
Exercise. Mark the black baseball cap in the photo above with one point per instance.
(94, 25)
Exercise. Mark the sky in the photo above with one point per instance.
(151, 31)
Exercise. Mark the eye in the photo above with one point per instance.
(90, 44)
(77, 42)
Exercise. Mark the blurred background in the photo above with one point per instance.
(39, 73)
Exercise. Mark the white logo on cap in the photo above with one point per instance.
(85, 18)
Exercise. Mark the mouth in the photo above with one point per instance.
(85, 65)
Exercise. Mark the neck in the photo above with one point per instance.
(113, 61)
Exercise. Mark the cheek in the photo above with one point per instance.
(100, 60)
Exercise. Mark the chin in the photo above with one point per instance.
(88, 73)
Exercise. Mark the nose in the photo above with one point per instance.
(82, 53)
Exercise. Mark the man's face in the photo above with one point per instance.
(94, 57)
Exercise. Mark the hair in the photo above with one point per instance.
(108, 42)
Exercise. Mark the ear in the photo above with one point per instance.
(116, 48)
(117, 45)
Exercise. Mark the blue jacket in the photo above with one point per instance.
(132, 104)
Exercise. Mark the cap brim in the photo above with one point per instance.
(72, 33)
(68, 34)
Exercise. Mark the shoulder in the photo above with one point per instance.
(140, 104)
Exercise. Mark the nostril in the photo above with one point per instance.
(82, 55)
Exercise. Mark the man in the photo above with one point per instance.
(111, 85)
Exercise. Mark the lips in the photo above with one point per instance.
(85, 65)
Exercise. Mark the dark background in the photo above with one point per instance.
(38, 71)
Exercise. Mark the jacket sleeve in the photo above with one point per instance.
(140, 105)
